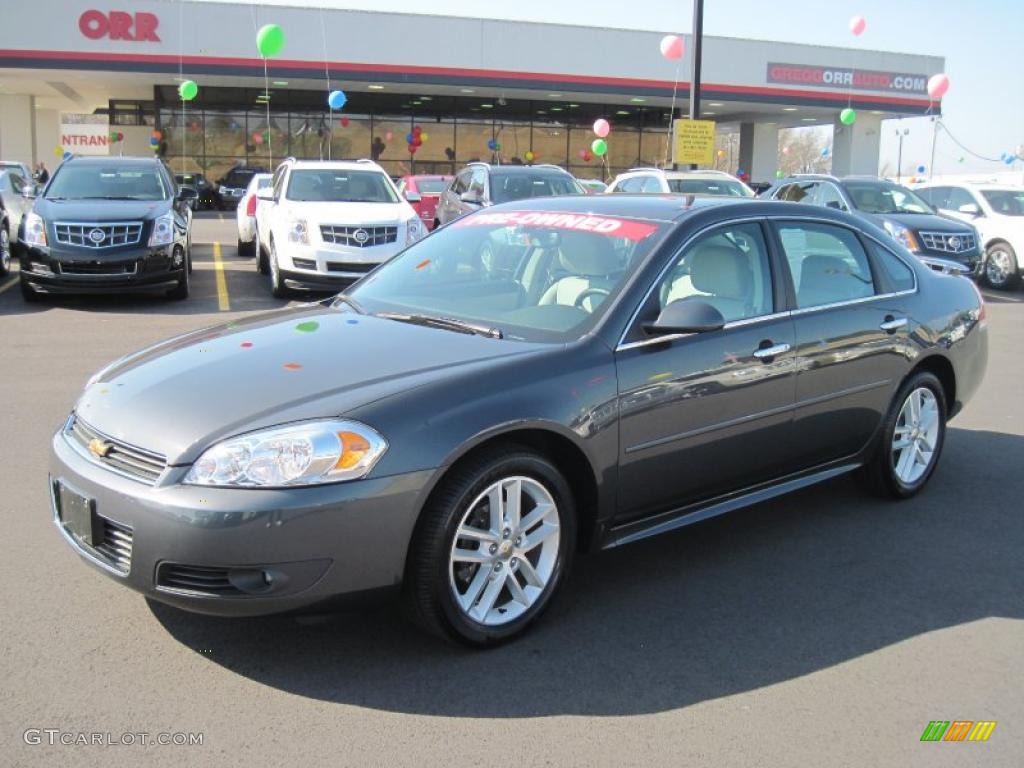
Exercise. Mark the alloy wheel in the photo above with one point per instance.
(999, 267)
(5, 252)
(915, 436)
(505, 551)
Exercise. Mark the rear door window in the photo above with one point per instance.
(827, 263)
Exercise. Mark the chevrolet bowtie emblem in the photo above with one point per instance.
(99, 448)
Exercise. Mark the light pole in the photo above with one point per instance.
(695, 61)
(899, 153)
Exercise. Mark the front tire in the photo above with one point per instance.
(912, 437)
(1002, 270)
(277, 289)
(181, 291)
(491, 549)
(28, 293)
(5, 252)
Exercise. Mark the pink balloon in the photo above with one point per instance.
(937, 86)
(672, 47)
(257, 138)
(601, 127)
(581, 154)
(389, 136)
(858, 24)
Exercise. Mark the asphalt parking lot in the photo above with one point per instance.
(821, 629)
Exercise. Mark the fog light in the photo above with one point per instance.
(40, 268)
(177, 259)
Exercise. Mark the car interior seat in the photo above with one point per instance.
(589, 261)
(719, 275)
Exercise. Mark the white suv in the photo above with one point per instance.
(657, 181)
(997, 212)
(322, 225)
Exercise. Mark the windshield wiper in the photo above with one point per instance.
(448, 323)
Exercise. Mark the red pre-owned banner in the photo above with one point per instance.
(628, 229)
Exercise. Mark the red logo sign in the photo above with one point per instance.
(118, 25)
(601, 225)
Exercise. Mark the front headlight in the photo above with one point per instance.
(901, 234)
(309, 453)
(163, 230)
(414, 230)
(35, 230)
(298, 232)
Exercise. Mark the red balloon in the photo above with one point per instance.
(416, 130)
(588, 155)
(257, 138)
(412, 149)
(417, 141)
(344, 122)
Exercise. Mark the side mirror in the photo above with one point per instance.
(30, 191)
(686, 316)
(971, 209)
(187, 193)
(470, 197)
(265, 193)
(413, 197)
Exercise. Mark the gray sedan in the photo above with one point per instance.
(533, 380)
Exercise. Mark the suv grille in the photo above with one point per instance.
(948, 242)
(197, 579)
(127, 460)
(358, 237)
(98, 268)
(343, 266)
(98, 235)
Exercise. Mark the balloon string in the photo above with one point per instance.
(266, 91)
(181, 78)
(672, 111)
(327, 76)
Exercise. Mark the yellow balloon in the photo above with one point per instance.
(58, 151)
(424, 136)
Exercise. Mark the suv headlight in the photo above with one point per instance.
(163, 230)
(901, 234)
(309, 453)
(414, 230)
(35, 230)
(298, 232)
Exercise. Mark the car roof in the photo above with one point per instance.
(512, 170)
(660, 207)
(336, 165)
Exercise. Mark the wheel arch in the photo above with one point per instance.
(943, 370)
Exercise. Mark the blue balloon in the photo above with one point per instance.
(921, 169)
(492, 144)
(337, 99)
(824, 152)
(153, 141)
(1010, 160)
(408, 138)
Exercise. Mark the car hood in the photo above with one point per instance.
(178, 397)
(91, 211)
(926, 222)
(353, 213)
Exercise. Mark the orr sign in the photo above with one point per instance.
(119, 25)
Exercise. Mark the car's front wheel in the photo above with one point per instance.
(492, 548)
(181, 291)
(911, 440)
(277, 287)
(1001, 267)
(5, 251)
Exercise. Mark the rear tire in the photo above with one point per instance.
(461, 599)
(911, 440)
(246, 250)
(1002, 270)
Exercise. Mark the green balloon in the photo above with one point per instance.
(848, 116)
(188, 90)
(270, 40)
(779, 174)
(599, 147)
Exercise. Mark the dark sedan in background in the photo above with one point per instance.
(457, 425)
(108, 225)
(902, 213)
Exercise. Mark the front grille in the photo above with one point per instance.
(948, 242)
(304, 263)
(127, 460)
(98, 235)
(196, 579)
(115, 544)
(343, 266)
(358, 237)
(97, 268)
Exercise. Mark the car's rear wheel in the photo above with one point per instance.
(5, 251)
(246, 249)
(1001, 267)
(912, 437)
(277, 288)
(492, 548)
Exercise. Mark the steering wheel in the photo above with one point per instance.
(586, 294)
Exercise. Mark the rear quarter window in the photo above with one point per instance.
(891, 269)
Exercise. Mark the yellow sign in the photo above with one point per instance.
(693, 142)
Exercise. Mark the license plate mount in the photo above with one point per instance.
(78, 515)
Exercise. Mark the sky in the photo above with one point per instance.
(981, 40)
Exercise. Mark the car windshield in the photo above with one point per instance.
(189, 178)
(871, 197)
(723, 187)
(238, 178)
(1009, 202)
(532, 275)
(431, 186)
(96, 181)
(506, 187)
(334, 186)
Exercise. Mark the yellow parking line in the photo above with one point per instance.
(9, 284)
(223, 302)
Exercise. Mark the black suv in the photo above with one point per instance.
(108, 225)
(206, 193)
(483, 184)
(232, 185)
(936, 240)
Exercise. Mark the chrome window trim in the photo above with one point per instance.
(623, 345)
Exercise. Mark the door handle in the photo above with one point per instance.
(893, 324)
(773, 351)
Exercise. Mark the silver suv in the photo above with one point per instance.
(482, 184)
(658, 181)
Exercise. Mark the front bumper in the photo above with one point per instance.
(125, 270)
(313, 544)
(324, 265)
(971, 261)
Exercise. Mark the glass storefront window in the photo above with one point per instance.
(550, 143)
(471, 141)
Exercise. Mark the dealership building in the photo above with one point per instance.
(103, 79)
